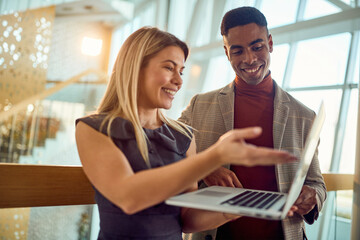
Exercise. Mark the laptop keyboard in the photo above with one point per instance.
(260, 200)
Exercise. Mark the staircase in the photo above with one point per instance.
(60, 147)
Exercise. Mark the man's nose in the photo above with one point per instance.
(250, 57)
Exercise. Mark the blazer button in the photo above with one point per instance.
(151, 150)
(208, 237)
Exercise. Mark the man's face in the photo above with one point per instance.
(248, 49)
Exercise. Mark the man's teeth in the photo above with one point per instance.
(170, 91)
(252, 70)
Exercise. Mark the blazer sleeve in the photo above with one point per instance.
(315, 180)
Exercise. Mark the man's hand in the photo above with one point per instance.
(223, 177)
(306, 201)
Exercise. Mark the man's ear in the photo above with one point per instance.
(227, 53)
(270, 41)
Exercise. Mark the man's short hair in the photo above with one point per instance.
(242, 16)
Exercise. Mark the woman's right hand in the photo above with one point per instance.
(231, 148)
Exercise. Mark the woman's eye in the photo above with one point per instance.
(169, 68)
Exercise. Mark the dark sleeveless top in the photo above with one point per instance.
(158, 222)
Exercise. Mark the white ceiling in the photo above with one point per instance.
(107, 12)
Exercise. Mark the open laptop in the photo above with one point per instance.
(256, 203)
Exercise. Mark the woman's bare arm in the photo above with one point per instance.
(110, 172)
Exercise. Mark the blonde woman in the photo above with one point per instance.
(136, 157)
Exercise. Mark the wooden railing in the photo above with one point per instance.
(43, 185)
(338, 181)
(39, 185)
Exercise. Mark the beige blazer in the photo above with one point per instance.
(212, 114)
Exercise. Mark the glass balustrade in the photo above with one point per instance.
(43, 132)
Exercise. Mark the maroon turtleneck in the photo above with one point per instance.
(254, 106)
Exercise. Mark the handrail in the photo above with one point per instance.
(24, 185)
(338, 181)
(23, 104)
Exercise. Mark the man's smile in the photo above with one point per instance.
(251, 70)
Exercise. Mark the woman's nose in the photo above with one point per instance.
(177, 79)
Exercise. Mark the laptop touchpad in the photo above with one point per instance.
(210, 193)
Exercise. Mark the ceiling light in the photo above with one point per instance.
(91, 46)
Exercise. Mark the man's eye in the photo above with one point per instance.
(237, 52)
(169, 68)
(257, 48)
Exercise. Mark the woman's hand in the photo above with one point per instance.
(232, 148)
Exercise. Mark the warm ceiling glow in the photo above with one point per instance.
(91, 46)
(195, 71)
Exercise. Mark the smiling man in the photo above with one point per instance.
(254, 99)
(248, 49)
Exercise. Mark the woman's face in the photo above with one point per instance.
(160, 80)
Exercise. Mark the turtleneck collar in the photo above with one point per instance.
(266, 87)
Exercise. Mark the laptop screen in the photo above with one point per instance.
(306, 157)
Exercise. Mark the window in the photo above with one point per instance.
(219, 73)
(347, 161)
(179, 25)
(278, 62)
(321, 61)
(332, 99)
(319, 8)
(272, 9)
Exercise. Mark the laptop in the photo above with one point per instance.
(256, 203)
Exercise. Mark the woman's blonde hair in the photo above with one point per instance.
(120, 98)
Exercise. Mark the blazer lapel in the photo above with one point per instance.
(226, 104)
(281, 112)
